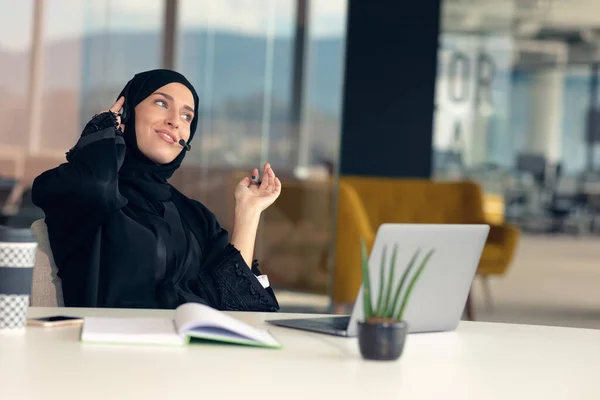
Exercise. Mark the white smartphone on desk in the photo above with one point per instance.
(55, 320)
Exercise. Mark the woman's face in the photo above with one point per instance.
(162, 119)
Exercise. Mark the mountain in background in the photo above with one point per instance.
(238, 68)
(230, 71)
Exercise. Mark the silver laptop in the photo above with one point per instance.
(439, 296)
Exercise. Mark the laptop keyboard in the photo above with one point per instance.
(336, 323)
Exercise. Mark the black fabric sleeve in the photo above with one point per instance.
(237, 286)
(226, 281)
(79, 195)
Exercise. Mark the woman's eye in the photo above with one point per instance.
(187, 117)
(160, 103)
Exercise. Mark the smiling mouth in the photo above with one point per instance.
(166, 137)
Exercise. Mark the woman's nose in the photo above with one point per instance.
(173, 122)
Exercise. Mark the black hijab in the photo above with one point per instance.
(138, 171)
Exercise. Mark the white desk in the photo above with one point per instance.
(480, 361)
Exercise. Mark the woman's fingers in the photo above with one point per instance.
(272, 179)
(245, 182)
(277, 186)
(266, 181)
(269, 181)
(118, 105)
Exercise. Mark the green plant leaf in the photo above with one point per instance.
(411, 285)
(409, 267)
(380, 309)
(390, 283)
(368, 311)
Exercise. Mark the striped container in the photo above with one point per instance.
(17, 258)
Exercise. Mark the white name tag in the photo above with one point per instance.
(264, 280)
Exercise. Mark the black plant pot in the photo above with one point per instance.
(383, 341)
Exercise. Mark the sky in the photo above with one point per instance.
(72, 18)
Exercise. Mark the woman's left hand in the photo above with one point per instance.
(252, 197)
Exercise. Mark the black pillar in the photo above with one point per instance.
(169, 34)
(389, 88)
(298, 76)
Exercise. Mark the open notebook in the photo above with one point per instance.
(192, 320)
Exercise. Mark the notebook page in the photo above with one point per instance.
(194, 316)
(222, 335)
(130, 330)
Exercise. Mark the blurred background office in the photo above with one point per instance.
(504, 96)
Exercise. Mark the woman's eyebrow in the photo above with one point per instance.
(171, 98)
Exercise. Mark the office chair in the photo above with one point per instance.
(46, 286)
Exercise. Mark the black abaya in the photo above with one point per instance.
(122, 236)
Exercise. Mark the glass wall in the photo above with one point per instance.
(269, 77)
(121, 38)
(270, 85)
(514, 105)
(15, 55)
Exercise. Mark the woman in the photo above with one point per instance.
(122, 236)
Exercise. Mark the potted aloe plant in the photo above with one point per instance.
(382, 334)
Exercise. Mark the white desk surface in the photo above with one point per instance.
(480, 361)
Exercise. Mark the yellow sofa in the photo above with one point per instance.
(364, 203)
